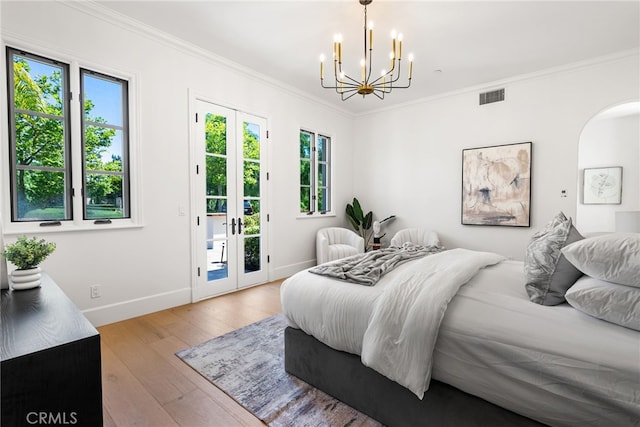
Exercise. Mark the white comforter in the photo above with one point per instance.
(403, 327)
(550, 363)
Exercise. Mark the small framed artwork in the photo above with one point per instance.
(602, 186)
(496, 185)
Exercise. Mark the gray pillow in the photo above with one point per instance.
(614, 303)
(548, 273)
(612, 257)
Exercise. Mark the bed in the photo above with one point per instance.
(498, 359)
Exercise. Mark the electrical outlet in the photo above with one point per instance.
(95, 291)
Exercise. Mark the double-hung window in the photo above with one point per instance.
(315, 173)
(68, 163)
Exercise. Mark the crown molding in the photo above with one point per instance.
(96, 10)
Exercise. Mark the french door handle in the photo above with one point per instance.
(233, 226)
(239, 225)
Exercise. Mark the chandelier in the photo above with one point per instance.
(380, 84)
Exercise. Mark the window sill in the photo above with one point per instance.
(16, 229)
(316, 215)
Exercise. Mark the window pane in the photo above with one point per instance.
(103, 149)
(216, 176)
(323, 148)
(305, 145)
(322, 175)
(103, 101)
(251, 254)
(323, 200)
(251, 179)
(305, 172)
(41, 195)
(104, 196)
(305, 199)
(251, 146)
(38, 86)
(216, 134)
(39, 141)
(105, 145)
(37, 102)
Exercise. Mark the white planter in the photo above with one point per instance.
(26, 279)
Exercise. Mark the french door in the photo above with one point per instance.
(230, 225)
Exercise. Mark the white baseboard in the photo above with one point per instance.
(117, 312)
(111, 313)
(290, 270)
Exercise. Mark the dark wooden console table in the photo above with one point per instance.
(50, 370)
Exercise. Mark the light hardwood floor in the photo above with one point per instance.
(145, 384)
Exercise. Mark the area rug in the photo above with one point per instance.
(248, 365)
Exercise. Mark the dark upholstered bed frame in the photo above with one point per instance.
(343, 376)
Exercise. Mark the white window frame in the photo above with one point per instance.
(315, 185)
(77, 222)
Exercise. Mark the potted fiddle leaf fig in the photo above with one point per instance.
(360, 221)
(26, 255)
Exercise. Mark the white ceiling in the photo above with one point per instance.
(473, 43)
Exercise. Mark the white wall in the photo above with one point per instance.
(610, 142)
(149, 268)
(414, 165)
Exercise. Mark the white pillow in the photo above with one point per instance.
(614, 303)
(612, 257)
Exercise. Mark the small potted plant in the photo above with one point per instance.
(26, 255)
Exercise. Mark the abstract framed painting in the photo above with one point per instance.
(496, 185)
(602, 186)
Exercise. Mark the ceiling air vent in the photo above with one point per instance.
(493, 96)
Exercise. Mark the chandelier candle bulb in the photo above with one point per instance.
(399, 46)
(410, 65)
(370, 35)
(393, 34)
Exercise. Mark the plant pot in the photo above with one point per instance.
(26, 279)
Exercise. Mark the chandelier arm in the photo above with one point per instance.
(375, 92)
(352, 80)
(344, 99)
(347, 84)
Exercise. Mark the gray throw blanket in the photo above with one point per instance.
(367, 268)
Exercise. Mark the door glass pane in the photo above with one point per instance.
(216, 188)
(216, 239)
(216, 176)
(216, 134)
(251, 179)
(251, 217)
(251, 254)
(251, 145)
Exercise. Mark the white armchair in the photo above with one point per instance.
(416, 236)
(336, 242)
